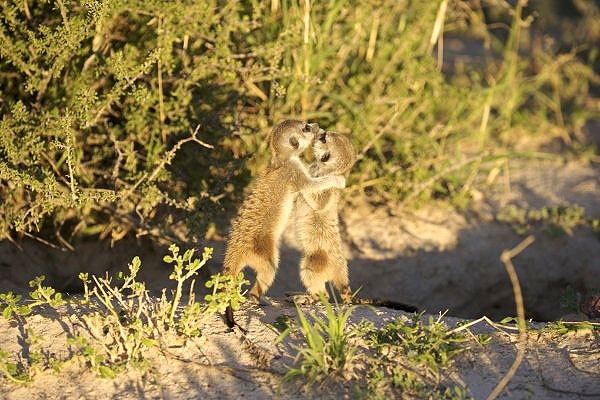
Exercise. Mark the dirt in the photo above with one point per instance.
(436, 258)
(221, 365)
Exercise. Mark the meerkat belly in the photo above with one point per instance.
(316, 229)
(284, 211)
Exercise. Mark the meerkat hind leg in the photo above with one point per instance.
(265, 274)
(313, 273)
(342, 283)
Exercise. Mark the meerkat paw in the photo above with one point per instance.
(340, 182)
(262, 301)
(304, 299)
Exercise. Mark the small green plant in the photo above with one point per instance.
(328, 349)
(123, 321)
(10, 308)
(427, 344)
(226, 290)
(182, 272)
(484, 339)
(44, 294)
(41, 295)
(93, 357)
(559, 328)
(409, 355)
(11, 370)
(283, 322)
(555, 220)
(38, 361)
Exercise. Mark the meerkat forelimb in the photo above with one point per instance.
(256, 231)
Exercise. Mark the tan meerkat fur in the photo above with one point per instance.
(256, 231)
(317, 226)
(316, 220)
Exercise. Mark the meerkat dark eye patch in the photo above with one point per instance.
(311, 128)
(294, 142)
(323, 137)
(325, 157)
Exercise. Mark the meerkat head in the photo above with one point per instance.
(334, 153)
(290, 138)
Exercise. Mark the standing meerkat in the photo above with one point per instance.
(256, 231)
(317, 225)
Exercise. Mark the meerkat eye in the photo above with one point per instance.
(325, 157)
(294, 142)
(323, 137)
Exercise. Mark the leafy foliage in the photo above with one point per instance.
(122, 321)
(554, 220)
(409, 357)
(98, 100)
(328, 350)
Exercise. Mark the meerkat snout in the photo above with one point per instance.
(312, 128)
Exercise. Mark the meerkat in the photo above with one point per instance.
(317, 225)
(256, 231)
(316, 219)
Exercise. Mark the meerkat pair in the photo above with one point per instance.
(256, 231)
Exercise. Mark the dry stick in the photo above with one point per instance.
(306, 20)
(39, 239)
(70, 165)
(433, 179)
(377, 136)
(493, 324)
(506, 259)
(167, 160)
(161, 103)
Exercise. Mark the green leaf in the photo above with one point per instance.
(106, 372)
(7, 312)
(24, 310)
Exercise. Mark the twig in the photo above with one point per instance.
(39, 239)
(161, 102)
(483, 319)
(167, 160)
(72, 182)
(506, 259)
(377, 136)
(117, 166)
(433, 179)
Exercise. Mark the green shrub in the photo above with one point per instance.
(97, 97)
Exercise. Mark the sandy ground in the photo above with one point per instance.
(221, 365)
(435, 257)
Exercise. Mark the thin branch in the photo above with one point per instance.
(161, 102)
(506, 259)
(39, 239)
(167, 160)
(420, 188)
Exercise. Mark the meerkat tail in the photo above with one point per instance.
(394, 305)
(230, 268)
(229, 320)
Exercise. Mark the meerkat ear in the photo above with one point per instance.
(294, 142)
